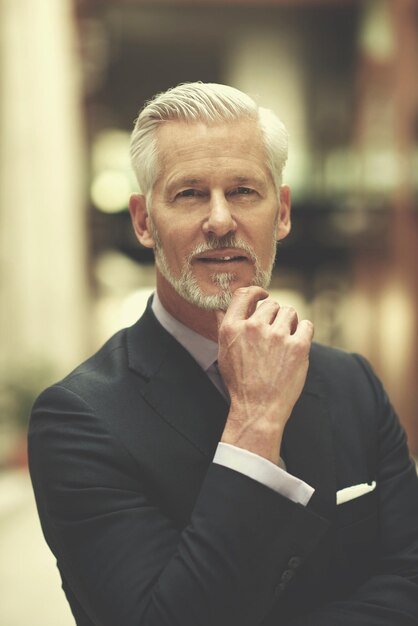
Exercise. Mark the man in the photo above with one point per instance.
(209, 466)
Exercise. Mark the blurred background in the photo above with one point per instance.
(343, 76)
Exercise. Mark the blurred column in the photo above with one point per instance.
(385, 142)
(404, 231)
(43, 286)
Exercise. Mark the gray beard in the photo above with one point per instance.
(186, 284)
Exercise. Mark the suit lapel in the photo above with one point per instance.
(175, 386)
(308, 446)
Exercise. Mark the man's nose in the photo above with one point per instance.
(220, 221)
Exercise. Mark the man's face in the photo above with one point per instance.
(215, 216)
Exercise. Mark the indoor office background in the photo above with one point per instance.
(343, 75)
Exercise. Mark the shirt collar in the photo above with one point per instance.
(203, 350)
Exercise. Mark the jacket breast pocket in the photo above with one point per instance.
(357, 540)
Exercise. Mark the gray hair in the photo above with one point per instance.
(209, 103)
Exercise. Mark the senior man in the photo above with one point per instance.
(210, 466)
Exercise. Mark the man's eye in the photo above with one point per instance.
(187, 193)
(244, 191)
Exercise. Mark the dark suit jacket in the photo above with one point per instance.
(148, 531)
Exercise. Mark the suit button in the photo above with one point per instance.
(279, 589)
(287, 575)
(294, 562)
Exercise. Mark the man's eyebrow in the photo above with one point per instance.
(243, 180)
(249, 180)
(184, 182)
(181, 182)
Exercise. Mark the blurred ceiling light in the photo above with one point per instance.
(396, 326)
(110, 191)
(117, 273)
(113, 179)
(380, 170)
(375, 171)
(376, 36)
(111, 150)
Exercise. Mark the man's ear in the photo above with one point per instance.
(284, 223)
(140, 220)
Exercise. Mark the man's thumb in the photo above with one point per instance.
(219, 316)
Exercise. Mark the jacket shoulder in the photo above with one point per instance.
(91, 385)
(356, 398)
(344, 371)
(111, 355)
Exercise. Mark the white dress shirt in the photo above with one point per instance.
(205, 352)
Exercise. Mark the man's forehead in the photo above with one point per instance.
(176, 130)
(180, 140)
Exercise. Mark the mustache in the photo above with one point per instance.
(227, 241)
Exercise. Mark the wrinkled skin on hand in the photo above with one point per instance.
(263, 358)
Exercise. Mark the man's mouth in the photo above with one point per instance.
(222, 259)
(215, 256)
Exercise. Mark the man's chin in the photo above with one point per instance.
(218, 300)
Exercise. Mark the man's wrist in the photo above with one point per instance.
(262, 437)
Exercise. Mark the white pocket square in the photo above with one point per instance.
(350, 493)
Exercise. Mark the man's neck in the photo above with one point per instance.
(199, 320)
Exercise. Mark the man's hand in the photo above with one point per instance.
(263, 359)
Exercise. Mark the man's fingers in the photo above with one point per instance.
(244, 302)
(266, 311)
(286, 318)
(305, 330)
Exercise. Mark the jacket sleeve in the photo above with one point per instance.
(124, 562)
(390, 596)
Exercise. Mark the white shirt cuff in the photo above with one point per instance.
(264, 472)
